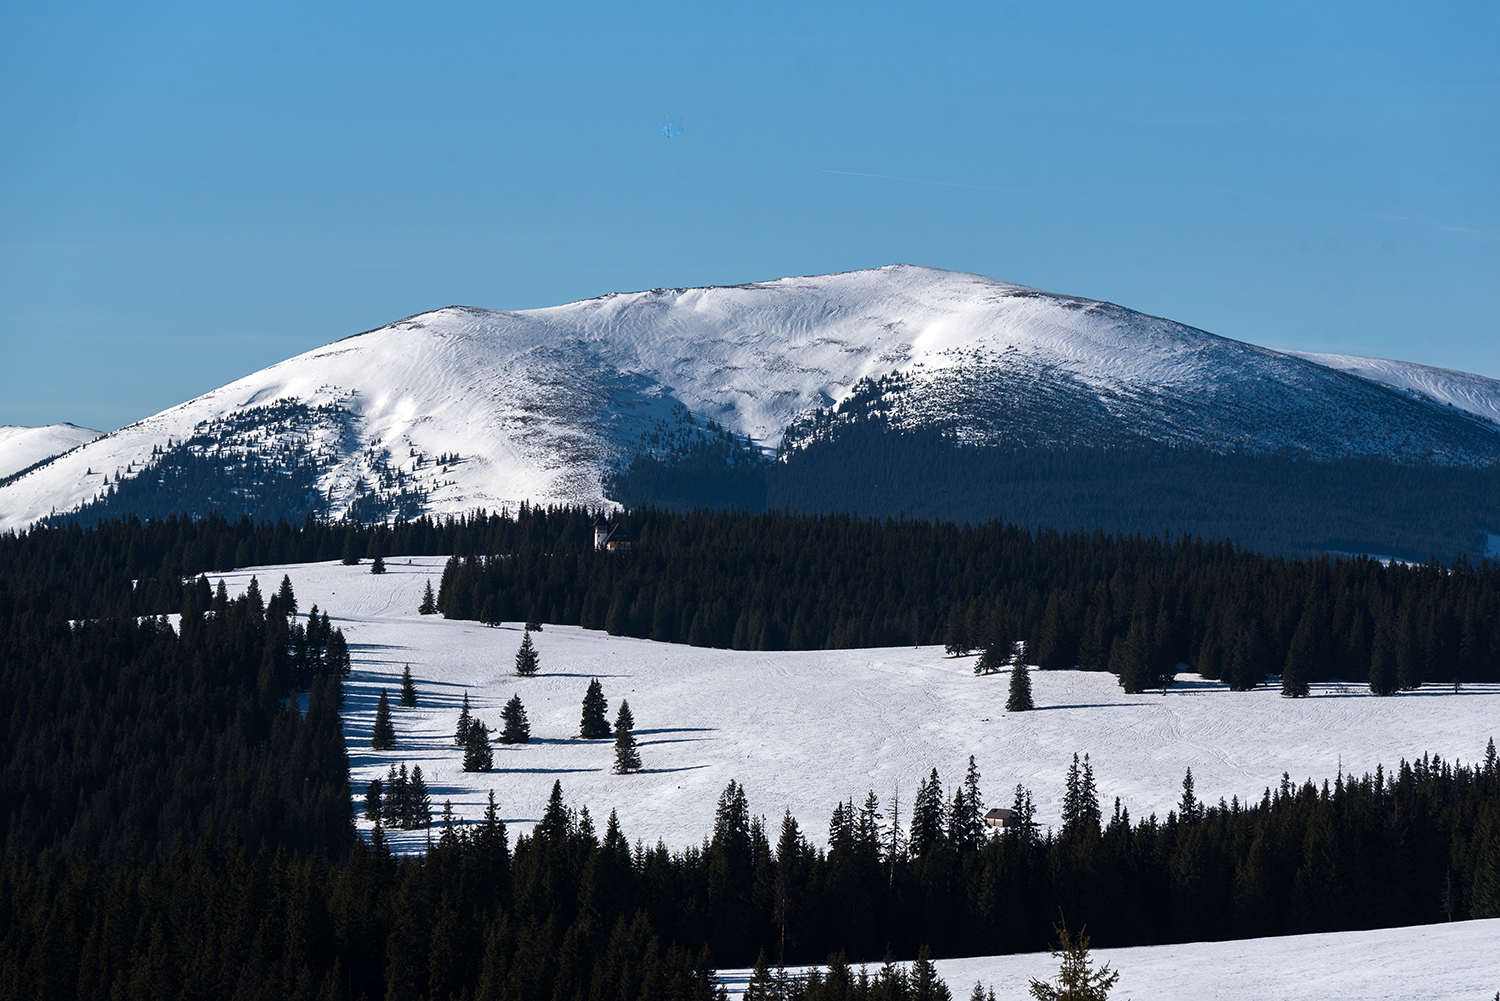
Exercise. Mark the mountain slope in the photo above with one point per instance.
(463, 408)
(22, 447)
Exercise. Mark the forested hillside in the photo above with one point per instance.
(1281, 504)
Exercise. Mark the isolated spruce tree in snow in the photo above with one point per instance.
(478, 756)
(627, 758)
(516, 730)
(461, 735)
(378, 566)
(429, 602)
(1076, 978)
(526, 662)
(595, 724)
(383, 738)
(1020, 689)
(408, 689)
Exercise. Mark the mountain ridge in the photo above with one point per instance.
(460, 408)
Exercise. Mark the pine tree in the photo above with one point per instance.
(526, 661)
(373, 800)
(378, 566)
(1383, 678)
(1299, 659)
(1076, 978)
(351, 546)
(429, 601)
(516, 729)
(408, 689)
(286, 598)
(927, 816)
(461, 734)
(383, 737)
(418, 802)
(595, 722)
(395, 796)
(1020, 689)
(627, 758)
(478, 756)
(992, 659)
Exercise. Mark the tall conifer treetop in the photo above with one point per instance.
(527, 664)
(516, 729)
(383, 737)
(627, 758)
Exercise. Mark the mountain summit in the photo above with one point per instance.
(463, 408)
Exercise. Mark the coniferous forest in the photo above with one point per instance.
(178, 817)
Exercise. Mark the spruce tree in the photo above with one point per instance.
(373, 800)
(478, 756)
(1383, 676)
(1299, 660)
(395, 796)
(383, 737)
(526, 662)
(595, 722)
(516, 729)
(286, 598)
(1076, 978)
(927, 816)
(627, 758)
(408, 689)
(378, 566)
(992, 659)
(1020, 689)
(429, 602)
(418, 802)
(351, 546)
(461, 734)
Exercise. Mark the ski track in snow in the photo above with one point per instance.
(805, 730)
(1441, 962)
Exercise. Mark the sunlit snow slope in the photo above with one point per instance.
(542, 404)
(21, 448)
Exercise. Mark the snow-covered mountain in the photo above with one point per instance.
(22, 447)
(463, 408)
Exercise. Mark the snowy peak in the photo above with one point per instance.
(463, 408)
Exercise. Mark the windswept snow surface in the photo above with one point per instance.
(541, 405)
(1476, 394)
(1444, 962)
(22, 447)
(805, 730)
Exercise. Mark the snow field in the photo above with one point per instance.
(805, 730)
(1443, 962)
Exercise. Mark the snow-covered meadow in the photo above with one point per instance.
(802, 731)
(1442, 962)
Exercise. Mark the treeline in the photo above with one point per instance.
(131, 737)
(571, 914)
(465, 921)
(1271, 503)
(1135, 606)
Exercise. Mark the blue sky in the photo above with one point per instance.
(191, 192)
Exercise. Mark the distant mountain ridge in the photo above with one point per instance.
(463, 408)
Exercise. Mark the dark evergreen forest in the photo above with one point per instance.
(178, 824)
(1282, 504)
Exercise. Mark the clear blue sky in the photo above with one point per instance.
(191, 192)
